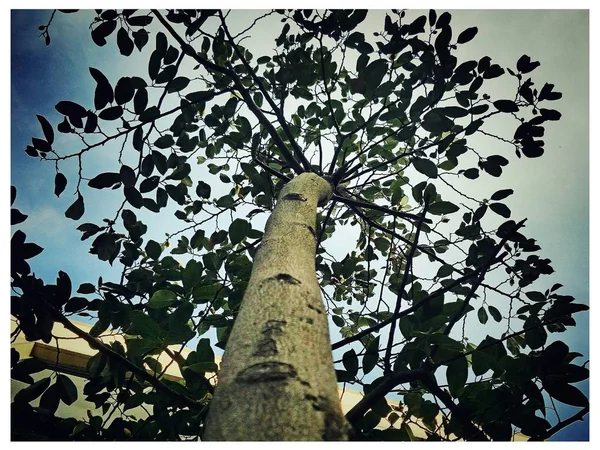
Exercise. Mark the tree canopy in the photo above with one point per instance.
(411, 260)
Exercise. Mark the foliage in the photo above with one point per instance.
(392, 122)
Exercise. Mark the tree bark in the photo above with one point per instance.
(277, 381)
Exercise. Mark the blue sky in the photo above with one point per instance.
(551, 191)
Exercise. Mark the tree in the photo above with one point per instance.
(331, 132)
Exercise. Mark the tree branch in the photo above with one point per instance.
(188, 49)
(278, 111)
(560, 425)
(407, 269)
(456, 411)
(374, 206)
(383, 388)
(405, 312)
(97, 344)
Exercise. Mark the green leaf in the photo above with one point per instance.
(202, 367)
(99, 327)
(203, 189)
(371, 356)
(164, 141)
(192, 274)
(456, 374)
(442, 207)
(153, 249)
(177, 84)
(373, 74)
(50, 399)
(381, 244)
(67, 389)
(143, 325)
(161, 299)
(33, 391)
(482, 315)
(238, 230)
(495, 313)
(350, 361)
(426, 167)
(76, 210)
(565, 393)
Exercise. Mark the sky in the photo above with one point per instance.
(551, 191)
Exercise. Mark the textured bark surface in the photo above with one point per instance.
(277, 380)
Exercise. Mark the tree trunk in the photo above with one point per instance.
(277, 381)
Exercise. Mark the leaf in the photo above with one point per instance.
(102, 31)
(177, 84)
(67, 390)
(46, 129)
(139, 21)
(506, 106)
(565, 393)
(124, 90)
(111, 113)
(456, 374)
(143, 325)
(550, 114)
(425, 166)
(153, 249)
(71, 109)
(76, 210)
(238, 230)
(350, 361)
(134, 197)
(536, 296)
(443, 20)
(373, 74)
(525, 65)
(371, 356)
(105, 180)
(33, 391)
(501, 194)
(482, 315)
(497, 316)
(16, 216)
(442, 207)
(149, 184)
(164, 141)
(150, 114)
(103, 95)
(471, 173)
(161, 299)
(203, 189)
(500, 209)
(202, 367)
(467, 35)
(124, 42)
(86, 288)
(30, 250)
